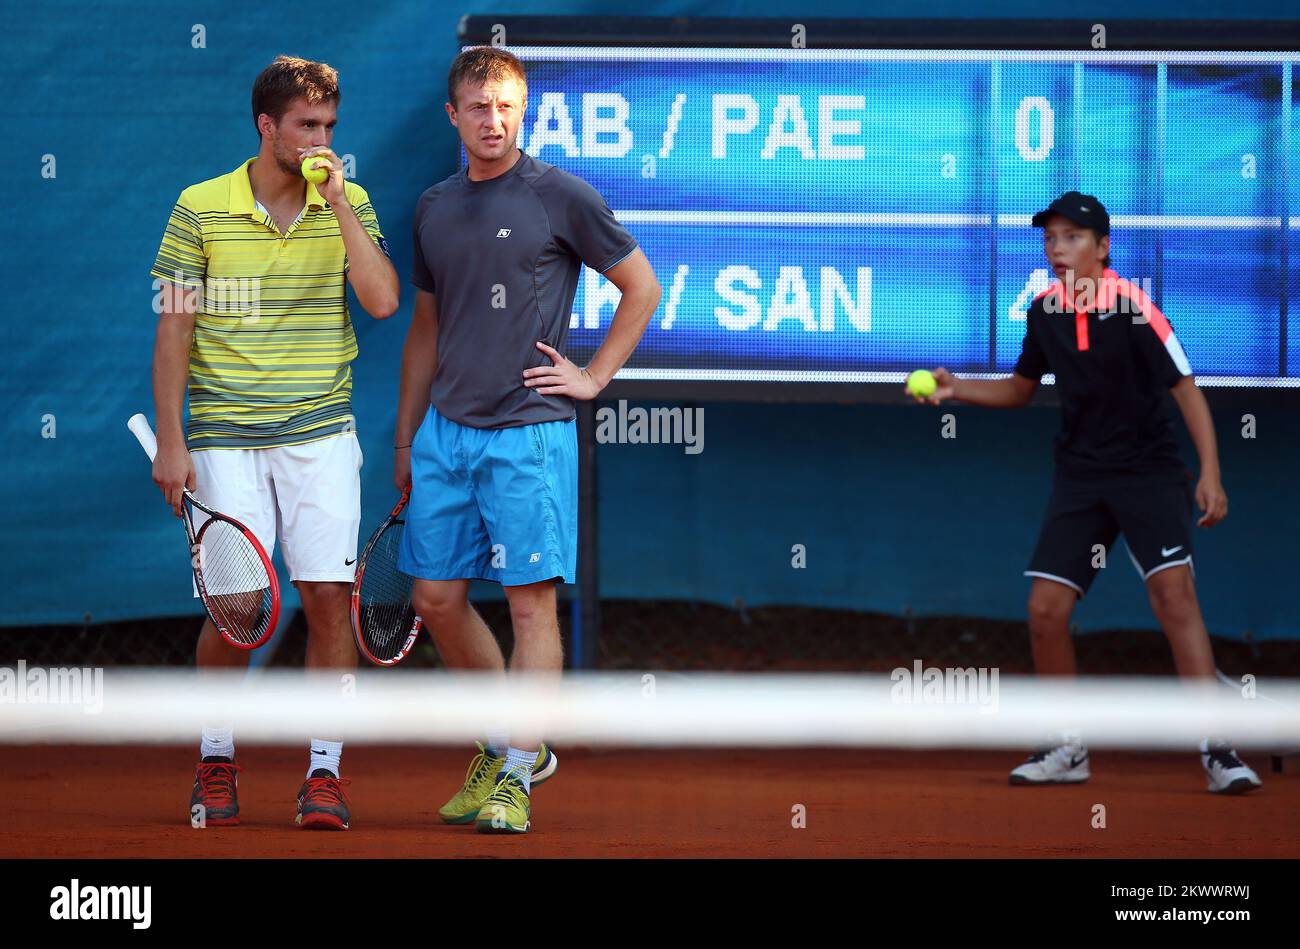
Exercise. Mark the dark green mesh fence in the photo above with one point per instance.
(693, 636)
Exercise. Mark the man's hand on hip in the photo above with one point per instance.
(563, 378)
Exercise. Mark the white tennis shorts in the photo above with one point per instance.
(308, 496)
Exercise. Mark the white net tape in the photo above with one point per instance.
(924, 708)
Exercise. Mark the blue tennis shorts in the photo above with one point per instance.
(495, 504)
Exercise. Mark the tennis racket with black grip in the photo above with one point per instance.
(232, 572)
(383, 619)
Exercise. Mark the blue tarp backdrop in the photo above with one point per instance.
(891, 515)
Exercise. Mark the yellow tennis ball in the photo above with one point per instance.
(317, 176)
(921, 384)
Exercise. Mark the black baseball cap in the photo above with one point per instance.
(1083, 209)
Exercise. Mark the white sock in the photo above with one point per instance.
(217, 742)
(498, 742)
(524, 761)
(325, 754)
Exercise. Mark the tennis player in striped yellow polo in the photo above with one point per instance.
(254, 318)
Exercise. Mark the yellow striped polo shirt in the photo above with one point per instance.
(273, 340)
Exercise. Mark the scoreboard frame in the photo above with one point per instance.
(1012, 35)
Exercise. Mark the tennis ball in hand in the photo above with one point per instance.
(921, 384)
(317, 176)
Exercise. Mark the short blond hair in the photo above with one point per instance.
(480, 64)
(289, 78)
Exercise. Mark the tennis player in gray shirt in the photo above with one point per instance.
(486, 436)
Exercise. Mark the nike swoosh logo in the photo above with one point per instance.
(1172, 550)
(348, 563)
(1075, 762)
(1102, 317)
(315, 752)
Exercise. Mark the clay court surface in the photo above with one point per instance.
(132, 801)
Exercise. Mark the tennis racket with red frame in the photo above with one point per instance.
(383, 619)
(232, 572)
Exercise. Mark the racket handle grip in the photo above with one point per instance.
(139, 426)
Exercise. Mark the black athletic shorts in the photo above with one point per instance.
(1153, 512)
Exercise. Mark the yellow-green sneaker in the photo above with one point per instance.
(544, 766)
(481, 778)
(507, 808)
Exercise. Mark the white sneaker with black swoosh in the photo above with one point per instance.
(1067, 763)
(1227, 773)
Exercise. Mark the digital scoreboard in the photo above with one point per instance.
(845, 215)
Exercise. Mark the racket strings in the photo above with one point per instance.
(236, 585)
(385, 616)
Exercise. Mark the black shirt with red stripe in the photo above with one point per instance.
(1114, 357)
